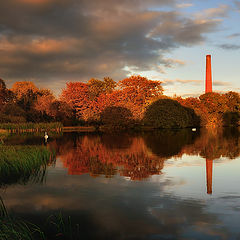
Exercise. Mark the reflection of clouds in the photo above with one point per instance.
(116, 204)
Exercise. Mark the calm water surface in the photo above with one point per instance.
(155, 185)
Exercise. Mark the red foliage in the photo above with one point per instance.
(91, 156)
(76, 95)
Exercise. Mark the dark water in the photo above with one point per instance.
(155, 185)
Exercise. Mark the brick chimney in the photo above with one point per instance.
(208, 87)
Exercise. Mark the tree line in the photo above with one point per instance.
(134, 101)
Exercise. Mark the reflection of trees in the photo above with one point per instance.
(215, 144)
(168, 143)
(94, 155)
(140, 156)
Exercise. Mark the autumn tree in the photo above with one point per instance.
(9, 112)
(232, 101)
(21, 89)
(232, 116)
(61, 112)
(214, 105)
(25, 93)
(76, 94)
(44, 102)
(136, 93)
(98, 87)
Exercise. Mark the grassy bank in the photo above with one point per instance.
(20, 164)
(31, 127)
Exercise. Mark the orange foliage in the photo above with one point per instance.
(136, 93)
(138, 157)
(76, 95)
(91, 156)
(20, 89)
(212, 106)
(43, 103)
(90, 99)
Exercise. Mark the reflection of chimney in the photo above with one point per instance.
(208, 87)
(209, 164)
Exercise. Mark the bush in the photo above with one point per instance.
(117, 117)
(167, 113)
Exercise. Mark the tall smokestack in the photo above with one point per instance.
(208, 87)
(209, 166)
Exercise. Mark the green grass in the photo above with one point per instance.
(21, 164)
(21, 127)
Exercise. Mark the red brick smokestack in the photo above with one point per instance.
(209, 166)
(208, 87)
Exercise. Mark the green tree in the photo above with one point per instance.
(167, 113)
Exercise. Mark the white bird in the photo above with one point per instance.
(194, 129)
(45, 136)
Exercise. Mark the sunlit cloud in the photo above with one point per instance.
(172, 62)
(211, 13)
(221, 83)
(184, 5)
(182, 81)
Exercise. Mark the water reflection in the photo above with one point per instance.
(209, 169)
(139, 156)
(89, 183)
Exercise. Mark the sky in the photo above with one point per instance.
(51, 42)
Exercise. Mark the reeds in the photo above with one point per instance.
(31, 127)
(20, 164)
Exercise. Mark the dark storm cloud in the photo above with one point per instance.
(230, 46)
(52, 41)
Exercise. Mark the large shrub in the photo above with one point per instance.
(116, 117)
(167, 113)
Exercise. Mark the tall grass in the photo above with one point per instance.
(23, 163)
(31, 127)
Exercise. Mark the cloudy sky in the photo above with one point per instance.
(51, 42)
